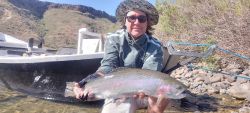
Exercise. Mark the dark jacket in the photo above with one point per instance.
(122, 51)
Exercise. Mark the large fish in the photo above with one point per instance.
(126, 82)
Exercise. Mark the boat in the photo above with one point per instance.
(43, 72)
(31, 69)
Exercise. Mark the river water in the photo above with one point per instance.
(16, 102)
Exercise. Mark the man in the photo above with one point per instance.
(134, 47)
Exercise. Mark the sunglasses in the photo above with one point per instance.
(141, 18)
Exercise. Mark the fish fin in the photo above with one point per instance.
(69, 90)
(159, 99)
(118, 101)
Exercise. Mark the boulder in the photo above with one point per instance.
(241, 91)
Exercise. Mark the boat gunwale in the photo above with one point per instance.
(48, 58)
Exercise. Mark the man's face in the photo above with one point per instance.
(136, 23)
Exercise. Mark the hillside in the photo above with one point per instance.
(224, 22)
(57, 24)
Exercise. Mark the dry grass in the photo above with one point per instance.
(226, 22)
(62, 26)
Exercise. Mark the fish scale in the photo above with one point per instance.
(126, 82)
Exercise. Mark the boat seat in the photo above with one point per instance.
(35, 43)
(89, 42)
(3, 52)
(2, 37)
(170, 62)
(66, 51)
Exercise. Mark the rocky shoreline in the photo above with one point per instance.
(232, 80)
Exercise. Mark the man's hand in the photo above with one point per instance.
(157, 105)
(140, 95)
(82, 94)
(79, 92)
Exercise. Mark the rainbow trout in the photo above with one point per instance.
(126, 82)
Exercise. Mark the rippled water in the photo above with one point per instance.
(15, 102)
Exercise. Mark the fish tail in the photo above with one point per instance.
(69, 89)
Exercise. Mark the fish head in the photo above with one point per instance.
(174, 91)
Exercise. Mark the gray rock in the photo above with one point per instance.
(237, 71)
(233, 112)
(209, 74)
(189, 74)
(212, 90)
(216, 78)
(232, 66)
(199, 79)
(219, 85)
(230, 78)
(202, 88)
(241, 91)
(186, 83)
(195, 72)
(223, 91)
(177, 75)
(246, 72)
(248, 98)
(197, 112)
(196, 84)
(244, 110)
(207, 81)
(202, 72)
(235, 84)
(180, 71)
(241, 80)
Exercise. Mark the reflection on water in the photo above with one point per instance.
(38, 83)
(15, 102)
(48, 85)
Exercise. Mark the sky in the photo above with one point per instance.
(109, 6)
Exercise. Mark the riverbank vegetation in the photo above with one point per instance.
(221, 22)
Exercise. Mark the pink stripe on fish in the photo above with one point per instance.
(163, 89)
